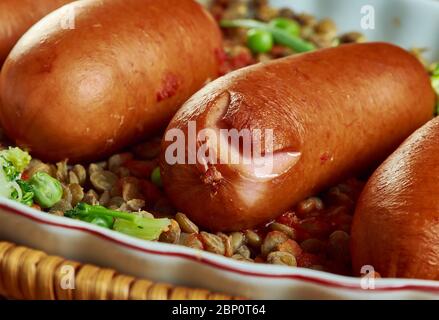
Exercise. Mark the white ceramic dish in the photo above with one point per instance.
(408, 23)
(183, 266)
(179, 265)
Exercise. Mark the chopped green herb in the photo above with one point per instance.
(127, 223)
(280, 35)
(291, 26)
(27, 193)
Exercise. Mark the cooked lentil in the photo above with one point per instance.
(62, 171)
(241, 258)
(212, 243)
(237, 240)
(136, 204)
(352, 37)
(282, 258)
(191, 240)
(244, 251)
(60, 207)
(185, 223)
(77, 194)
(104, 199)
(73, 178)
(253, 239)
(227, 241)
(173, 234)
(290, 232)
(103, 180)
(80, 173)
(91, 197)
(290, 246)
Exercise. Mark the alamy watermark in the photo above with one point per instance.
(209, 146)
(368, 277)
(67, 277)
(367, 21)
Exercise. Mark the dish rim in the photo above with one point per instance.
(219, 263)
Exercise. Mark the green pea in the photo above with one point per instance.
(259, 41)
(156, 177)
(291, 26)
(47, 190)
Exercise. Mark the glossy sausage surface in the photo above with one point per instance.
(17, 16)
(396, 222)
(119, 75)
(333, 113)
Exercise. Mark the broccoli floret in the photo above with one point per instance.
(12, 163)
(16, 158)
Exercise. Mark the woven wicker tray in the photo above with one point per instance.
(30, 274)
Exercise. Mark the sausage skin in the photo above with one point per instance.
(333, 113)
(118, 76)
(396, 223)
(17, 16)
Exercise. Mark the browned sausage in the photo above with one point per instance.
(396, 223)
(17, 16)
(333, 113)
(119, 75)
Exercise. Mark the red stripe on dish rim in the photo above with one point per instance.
(314, 280)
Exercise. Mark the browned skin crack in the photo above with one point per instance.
(213, 178)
